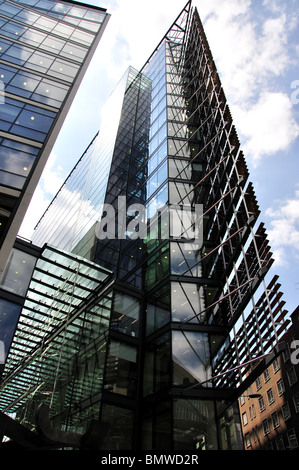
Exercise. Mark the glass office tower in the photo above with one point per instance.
(160, 352)
(45, 49)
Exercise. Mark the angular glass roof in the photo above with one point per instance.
(61, 285)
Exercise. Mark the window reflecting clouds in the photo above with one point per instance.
(191, 357)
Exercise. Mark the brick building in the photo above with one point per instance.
(270, 419)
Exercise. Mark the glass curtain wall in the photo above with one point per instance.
(43, 48)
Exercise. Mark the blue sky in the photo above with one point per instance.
(255, 46)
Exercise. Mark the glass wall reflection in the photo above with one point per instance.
(9, 315)
(191, 357)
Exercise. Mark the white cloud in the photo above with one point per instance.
(284, 234)
(249, 53)
(268, 125)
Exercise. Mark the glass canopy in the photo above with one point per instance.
(62, 284)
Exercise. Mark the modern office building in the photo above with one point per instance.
(160, 214)
(45, 49)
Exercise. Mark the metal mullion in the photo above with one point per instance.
(57, 292)
(48, 33)
(55, 18)
(42, 50)
(36, 104)
(36, 72)
(64, 281)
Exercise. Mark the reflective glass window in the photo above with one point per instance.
(13, 30)
(28, 17)
(157, 366)
(194, 425)
(4, 45)
(157, 268)
(8, 9)
(9, 315)
(187, 300)
(125, 317)
(157, 202)
(82, 38)
(52, 44)
(50, 93)
(33, 123)
(180, 193)
(17, 273)
(45, 23)
(121, 369)
(121, 427)
(64, 70)
(156, 317)
(17, 54)
(156, 180)
(74, 52)
(10, 110)
(157, 139)
(191, 357)
(89, 25)
(12, 160)
(157, 157)
(63, 30)
(11, 180)
(185, 259)
(39, 62)
(23, 84)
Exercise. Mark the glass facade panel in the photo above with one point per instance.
(125, 317)
(121, 369)
(121, 426)
(156, 317)
(157, 366)
(187, 302)
(191, 358)
(18, 271)
(195, 425)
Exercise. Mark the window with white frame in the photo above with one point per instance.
(276, 365)
(258, 383)
(262, 404)
(270, 396)
(275, 420)
(266, 427)
(266, 375)
(285, 409)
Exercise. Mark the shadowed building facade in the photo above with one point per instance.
(156, 351)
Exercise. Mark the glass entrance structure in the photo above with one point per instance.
(171, 214)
